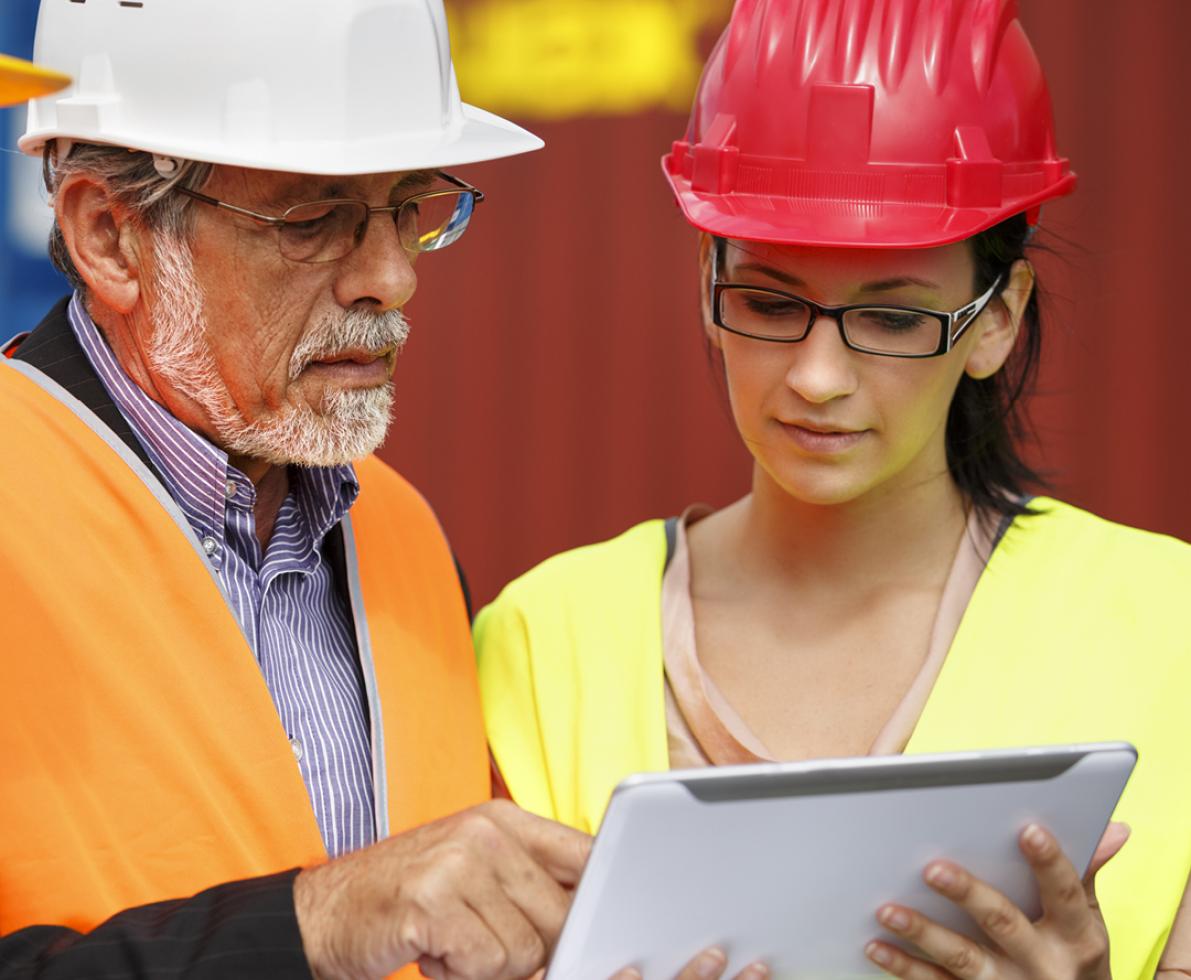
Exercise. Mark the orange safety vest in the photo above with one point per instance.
(141, 756)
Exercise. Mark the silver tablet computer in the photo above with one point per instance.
(788, 863)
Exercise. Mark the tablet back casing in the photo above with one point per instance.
(788, 863)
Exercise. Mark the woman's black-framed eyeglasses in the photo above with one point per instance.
(773, 315)
(326, 231)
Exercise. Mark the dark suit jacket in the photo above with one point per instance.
(236, 931)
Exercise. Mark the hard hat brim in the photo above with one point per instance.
(837, 223)
(21, 80)
(481, 136)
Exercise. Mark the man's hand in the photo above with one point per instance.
(481, 894)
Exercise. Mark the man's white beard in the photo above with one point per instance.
(350, 423)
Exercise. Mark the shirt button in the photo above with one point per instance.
(230, 489)
(210, 545)
(297, 747)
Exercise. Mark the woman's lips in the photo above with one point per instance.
(822, 441)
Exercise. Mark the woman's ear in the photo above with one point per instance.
(1000, 322)
(103, 241)
(706, 244)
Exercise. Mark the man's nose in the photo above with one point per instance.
(379, 272)
(822, 367)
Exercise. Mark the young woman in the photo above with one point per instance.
(866, 177)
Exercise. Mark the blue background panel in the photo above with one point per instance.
(29, 284)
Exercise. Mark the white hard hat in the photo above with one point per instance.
(329, 87)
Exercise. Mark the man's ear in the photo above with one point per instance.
(1000, 322)
(706, 244)
(103, 240)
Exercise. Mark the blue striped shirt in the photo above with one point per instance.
(284, 599)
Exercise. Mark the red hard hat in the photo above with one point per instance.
(868, 123)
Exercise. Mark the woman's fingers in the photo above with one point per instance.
(1065, 902)
(711, 964)
(1069, 915)
(997, 917)
(708, 965)
(957, 955)
(898, 963)
(1115, 836)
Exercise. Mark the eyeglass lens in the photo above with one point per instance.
(772, 316)
(326, 231)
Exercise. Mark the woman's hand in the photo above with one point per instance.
(708, 965)
(1068, 941)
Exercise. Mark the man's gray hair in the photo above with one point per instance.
(132, 179)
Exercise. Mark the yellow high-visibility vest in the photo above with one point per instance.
(1079, 630)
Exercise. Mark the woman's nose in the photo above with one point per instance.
(822, 367)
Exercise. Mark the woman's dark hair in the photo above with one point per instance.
(986, 424)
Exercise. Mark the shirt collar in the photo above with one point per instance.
(196, 472)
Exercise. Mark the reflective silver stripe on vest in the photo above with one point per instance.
(134, 463)
(154, 486)
(380, 785)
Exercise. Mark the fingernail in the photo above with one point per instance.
(941, 876)
(755, 971)
(878, 954)
(895, 918)
(1034, 836)
(710, 964)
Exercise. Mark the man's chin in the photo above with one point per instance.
(353, 424)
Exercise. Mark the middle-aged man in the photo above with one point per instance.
(229, 653)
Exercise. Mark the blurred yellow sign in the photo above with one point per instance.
(550, 59)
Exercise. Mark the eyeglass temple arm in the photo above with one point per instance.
(265, 219)
(968, 314)
(463, 184)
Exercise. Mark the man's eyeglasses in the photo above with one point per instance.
(889, 331)
(325, 231)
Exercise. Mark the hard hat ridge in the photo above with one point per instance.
(868, 122)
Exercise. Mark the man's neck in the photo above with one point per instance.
(272, 485)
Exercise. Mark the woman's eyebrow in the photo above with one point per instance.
(875, 286)
(765, 270)
(897, 282)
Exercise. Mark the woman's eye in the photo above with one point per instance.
(774, 307)
(894, 321)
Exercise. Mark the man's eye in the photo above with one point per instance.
(310, 226)
(309, 214)
(306, 224)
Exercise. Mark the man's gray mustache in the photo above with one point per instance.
(355, 330)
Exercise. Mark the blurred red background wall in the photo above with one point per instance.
(555, 388)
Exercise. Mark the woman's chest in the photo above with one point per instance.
(815, 683)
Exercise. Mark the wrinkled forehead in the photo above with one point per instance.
(275, 188)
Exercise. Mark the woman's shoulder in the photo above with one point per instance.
(602, 573)
(1067, 531)
(1066, 564)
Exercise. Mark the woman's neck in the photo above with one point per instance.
(892, 535)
